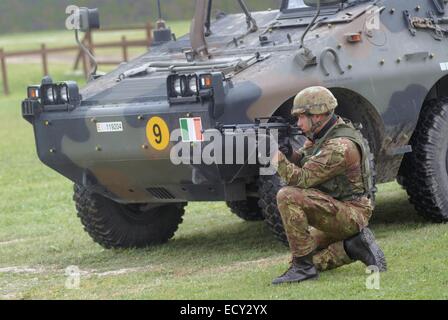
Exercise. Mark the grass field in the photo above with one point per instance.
(214, 255)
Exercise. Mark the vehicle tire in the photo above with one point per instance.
(115, 225)
(423, 172)
(269, 186)
(247, 209)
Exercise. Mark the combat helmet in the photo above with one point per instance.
(314, 100)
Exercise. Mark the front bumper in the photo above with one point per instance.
(121, 163)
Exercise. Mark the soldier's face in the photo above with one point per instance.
(304, 122)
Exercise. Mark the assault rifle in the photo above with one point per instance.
(267, 129)
(264, 126)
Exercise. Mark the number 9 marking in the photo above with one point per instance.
(158, 133)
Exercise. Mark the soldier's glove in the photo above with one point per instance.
(285, 147)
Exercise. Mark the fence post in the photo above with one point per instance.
(149, 33)
(4, 74)
(44, 59)
(125, 48)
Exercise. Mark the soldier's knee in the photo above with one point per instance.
(293, 194)
(283, 195)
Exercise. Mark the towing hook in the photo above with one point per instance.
(336, 61)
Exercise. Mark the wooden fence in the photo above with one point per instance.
(43, 52)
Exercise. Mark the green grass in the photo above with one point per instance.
(214, 255)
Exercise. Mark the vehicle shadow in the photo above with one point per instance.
(395, 208)
(239, 236)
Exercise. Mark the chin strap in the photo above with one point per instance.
(331, 119)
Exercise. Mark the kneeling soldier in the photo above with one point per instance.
(328, 200)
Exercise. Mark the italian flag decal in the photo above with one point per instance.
(191, 129)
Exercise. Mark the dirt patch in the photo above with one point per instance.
(76, 270)
(27, 270)
(6, 243)
(20, 240)
(125, 271)
(237, 266)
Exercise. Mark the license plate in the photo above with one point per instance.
(109, 127)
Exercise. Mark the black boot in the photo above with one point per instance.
(301, 269)
(363, 247)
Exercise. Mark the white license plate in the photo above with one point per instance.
(109, 127)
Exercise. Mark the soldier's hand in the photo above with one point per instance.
(285, 147)
(308, 144)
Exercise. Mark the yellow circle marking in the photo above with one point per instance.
(158, 133)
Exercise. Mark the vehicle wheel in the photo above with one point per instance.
(423, 172)
(269, 186)
(247, 209)
(115, 225)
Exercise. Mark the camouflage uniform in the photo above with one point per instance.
(324, 201)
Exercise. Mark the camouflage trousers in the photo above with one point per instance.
(314, 221)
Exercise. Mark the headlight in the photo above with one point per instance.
(177, 86)
(59, 94)
(207, 87)
(63, 96)
(181, 86)
(193, 84)
(48, 95)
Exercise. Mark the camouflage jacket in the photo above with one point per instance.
(335, 168)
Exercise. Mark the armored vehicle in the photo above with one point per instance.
(385, 61)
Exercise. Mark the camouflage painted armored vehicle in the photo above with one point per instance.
(385, 61)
